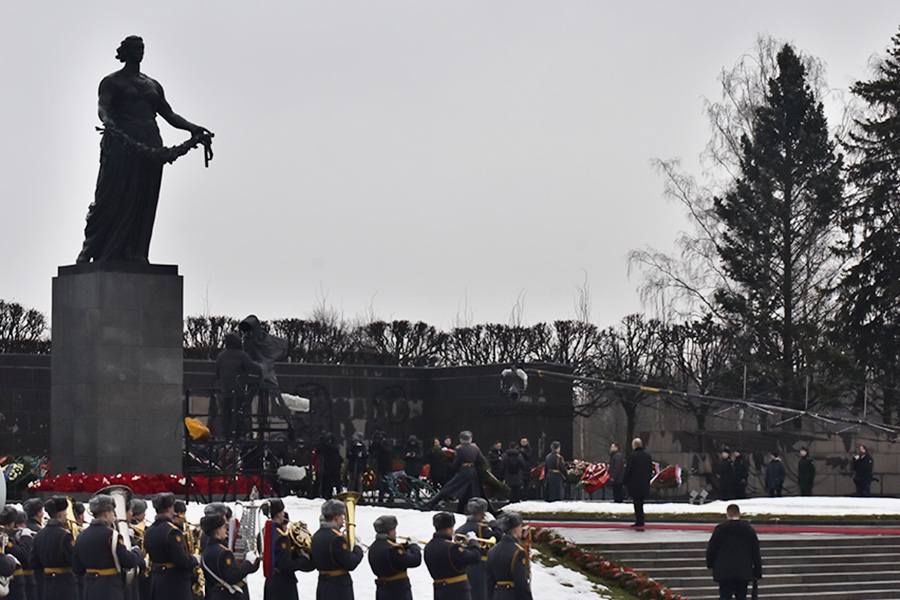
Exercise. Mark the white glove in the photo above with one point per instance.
(198, 558)
(251, 557)
(471, 535)
(24, 532)
(16, 560)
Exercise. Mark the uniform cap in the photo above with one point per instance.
(102, 503)
(32, 506)
(332, 508)
(509, 521)
(385, 523)
(163, 501)
(476, 506)
(137, 506)
(443, 520)
(56, 505)
(210, 523)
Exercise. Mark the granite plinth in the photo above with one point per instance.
(117, 368)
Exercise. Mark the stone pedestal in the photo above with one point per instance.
(117, 369)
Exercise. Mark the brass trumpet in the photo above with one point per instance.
(486, 544)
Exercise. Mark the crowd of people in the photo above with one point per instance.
(48, 554)
(733, 473)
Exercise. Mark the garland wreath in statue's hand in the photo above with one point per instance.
(166, 154)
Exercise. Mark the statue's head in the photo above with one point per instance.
(131, 49)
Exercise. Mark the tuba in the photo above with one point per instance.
(350, 499)
(121, 495)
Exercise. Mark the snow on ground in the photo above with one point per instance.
(836, 506)
(547, 581)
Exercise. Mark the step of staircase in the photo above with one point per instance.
(828, 568)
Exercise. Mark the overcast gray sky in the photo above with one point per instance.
(419, 160)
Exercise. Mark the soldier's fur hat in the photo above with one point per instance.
(443, 520)
(510, 521)
(55, 505)
(137, 506)
(476, 506)
(210, 523)
(163, 502)
(273, 507)
(32, 506)
(102, 503)
(332, 508)
(385, 523)
(8, 515)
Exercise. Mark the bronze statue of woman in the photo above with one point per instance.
(120, 220)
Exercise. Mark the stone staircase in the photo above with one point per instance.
(824, 567)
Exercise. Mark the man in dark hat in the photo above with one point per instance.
(280, 559)
(332, 555)
(741, 473)
(726, 475)
(34, 510)
(357, 462)
(171, 566)
(53, 553)
(476, 509)
(390, 560)
(140, 587)
(224, 577)
(447, 560)
(17, 548)
(101, 555)
(508, 562)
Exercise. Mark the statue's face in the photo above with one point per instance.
(134, 51)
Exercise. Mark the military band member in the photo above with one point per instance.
(98, 558)
(281, 560)
(140, 587)
(332, 555)
(8, 565)
(54, 549)
(34, 510)
(171, 567)
(477, 573)
(25, 537)
(224, 577)
(390, 560)
(447, 561)
(508, 562)
(22, 553)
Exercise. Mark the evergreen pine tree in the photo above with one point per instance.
(870, 316)
(780, 220)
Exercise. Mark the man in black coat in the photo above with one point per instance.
(34, 510)
(554, 474)
(15, 548)
(332, 555)
(726, 475)
(508, 562)
(172, 568)
(447, 561)
(775, 474)
(863, 472)
(638, 473)
(224, 577)
(282, 560)
(53, 553)
(465, 484)
(390, 560)
(357, 462)
(806, 472)
(733, 555)
(616, 472)
(515, 472)
(741, 473)
(94, 558)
